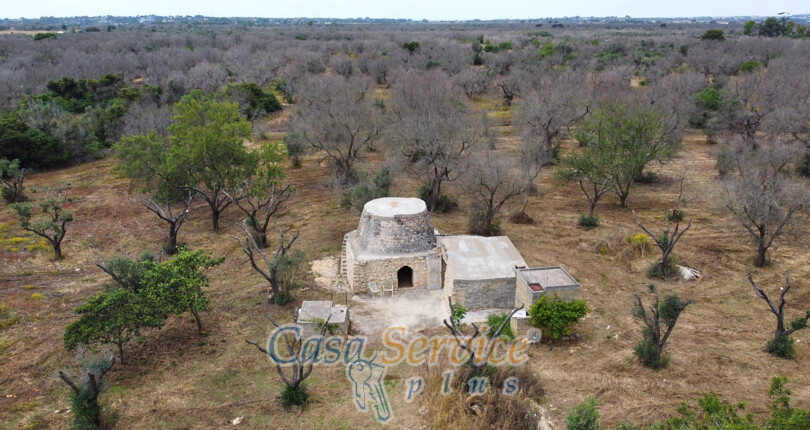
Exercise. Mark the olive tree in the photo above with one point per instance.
(589, 167)
(650, 350)
(781, 344)
(11, 181)
(84, 394)
(630, 138)
(765, 195)
(274, 264)
(466, 342)
(264, 193)
(493, 181)
(550, 106)
(339, 118)
(52, 224)
(207, 155)
(670, 237)
(435, 132)
(294, 393)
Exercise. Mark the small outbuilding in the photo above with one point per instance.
(313, 314)
(480, 271)
(532, 284)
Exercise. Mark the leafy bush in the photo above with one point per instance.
(671, 267)
(556, 316)
(459, 312)
(290, 271)
(647, 177)
(294, 396)
(588, 221)
(710, 99)
(649, 355)
(43, 36)
(782, 346)
(357, 196)
(477, 221)
(583, 416)
(639, 245)
(31, 146)
(494, 321)
(717, 35)
(7, 316)
(85, 408)
(749, 66)
(445, 203)
(76, 96)
(253, 101)
(677, 215)
(411, 46)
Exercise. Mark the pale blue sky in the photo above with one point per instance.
(414, 9)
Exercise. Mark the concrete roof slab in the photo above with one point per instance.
(477, 257)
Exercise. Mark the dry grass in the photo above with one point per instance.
(178, 379)
(494, 409)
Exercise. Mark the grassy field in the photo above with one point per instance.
(179, 379)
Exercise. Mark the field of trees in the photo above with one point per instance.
(166, 186)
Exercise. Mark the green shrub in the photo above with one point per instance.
(283, 298)
(255, 102)
(646, 177)
(411, 46)
(444, 205)
(294, 396)
(30, 145)
(85, 408)
(717, 35)
(588, 221)
(671, 266)
(7, 316)
(583, 416)
(782, 346)
(804, 167)
(649, 355)
(459, 312)
(556, 316)
(357, 196)
(749, 66)
(677, 215)
(494, 321)
(43, 36)
(477, 221)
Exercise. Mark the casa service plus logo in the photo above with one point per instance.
(365, 370)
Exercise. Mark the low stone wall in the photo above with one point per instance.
(484, 294)
(360, 273)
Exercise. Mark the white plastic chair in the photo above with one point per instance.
(388, 286)
(372, 286)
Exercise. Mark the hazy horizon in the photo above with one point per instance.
(417, 9)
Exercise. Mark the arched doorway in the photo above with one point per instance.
(405, 277)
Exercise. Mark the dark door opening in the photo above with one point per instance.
(405, 277)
